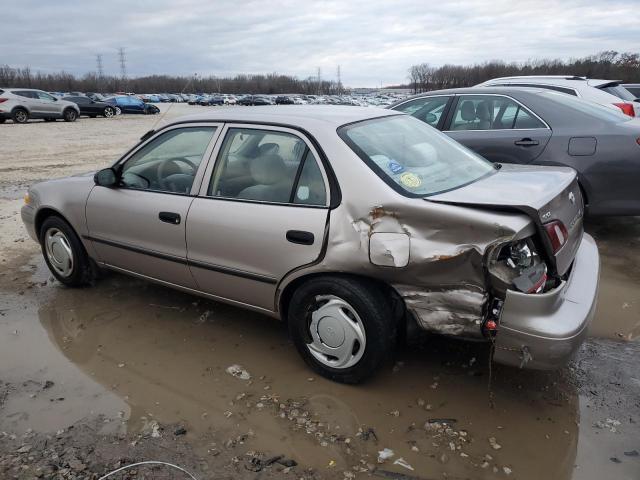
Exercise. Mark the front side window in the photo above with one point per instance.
(169, 162)
(267, 166)
(492, 112)
(427, 109)
(411, 157)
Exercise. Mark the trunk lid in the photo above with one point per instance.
(545, 194)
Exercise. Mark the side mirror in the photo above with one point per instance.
(106, 177)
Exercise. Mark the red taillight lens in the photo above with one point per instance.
(557, 234)
(626, 108)
(2, 100)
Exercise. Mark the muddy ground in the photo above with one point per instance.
(126, 371)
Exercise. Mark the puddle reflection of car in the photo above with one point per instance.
(349, 223)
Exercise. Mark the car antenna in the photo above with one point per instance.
(150, 132)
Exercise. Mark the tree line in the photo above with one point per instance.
(607, 65)
(271, 83)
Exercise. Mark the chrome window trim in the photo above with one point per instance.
(214, 158)
(546, 125)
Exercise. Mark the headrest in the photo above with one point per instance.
(482, 111)
(468, 111)
(268, 169)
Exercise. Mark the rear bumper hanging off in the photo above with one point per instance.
(543, 331)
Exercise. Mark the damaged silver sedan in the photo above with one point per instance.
(350, 224)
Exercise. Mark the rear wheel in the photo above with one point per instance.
(70, 115)
(20, 115)
(64, 253)
(108, 112)
(2, 120)
(343, 328)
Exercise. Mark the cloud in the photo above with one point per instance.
(374, 41)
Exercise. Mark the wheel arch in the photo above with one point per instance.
(284, 298)
(45, 212)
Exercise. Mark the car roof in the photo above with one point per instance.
(475, 90)
(307, 117)
(571, 80)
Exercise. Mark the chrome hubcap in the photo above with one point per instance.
(21, 116)
(108, 112)
(337, 333)
(59, 252)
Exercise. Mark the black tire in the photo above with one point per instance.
(2, 120)
(373, 309)
(108, 112)
(20, 115)
(70, 115)
(81, 273)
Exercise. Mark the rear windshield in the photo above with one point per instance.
(590, 108)
(620, 92)
(412, 157)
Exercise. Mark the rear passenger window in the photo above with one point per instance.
(267, 166)
(492, 112)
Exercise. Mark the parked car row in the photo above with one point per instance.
(23, 104)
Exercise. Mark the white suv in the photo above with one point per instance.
(604, 92)
(21, 104)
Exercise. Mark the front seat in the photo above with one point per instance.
(468, 114)
(270, 180)
(482, 113)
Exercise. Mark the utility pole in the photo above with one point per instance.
(100, 70)
(319, 80)
(123, 66)
(339, 82)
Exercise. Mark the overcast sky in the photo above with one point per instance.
(374, 41)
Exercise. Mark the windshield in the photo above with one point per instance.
(590, 108)
(413, 158)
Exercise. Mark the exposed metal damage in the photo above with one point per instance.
(454, 310)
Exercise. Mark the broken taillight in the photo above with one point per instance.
(557, 233)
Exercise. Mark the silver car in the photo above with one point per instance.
(22, 104)
(351, 224)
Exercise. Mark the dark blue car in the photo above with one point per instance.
(128, 104)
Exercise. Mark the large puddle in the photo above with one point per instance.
(136, 352)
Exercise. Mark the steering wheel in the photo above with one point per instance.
(163, 174)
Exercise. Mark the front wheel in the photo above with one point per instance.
(70, 115)
(343, 328)
(64, 253)
(108, 112)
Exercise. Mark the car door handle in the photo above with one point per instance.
(169, 217)
(300, 237)
(527, 142)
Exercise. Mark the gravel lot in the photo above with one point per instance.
(97, 378)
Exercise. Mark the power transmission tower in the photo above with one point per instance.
(99, 65)
(123, 65)
(339, 81)
(100, 71)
